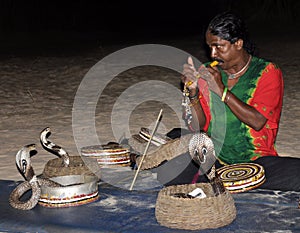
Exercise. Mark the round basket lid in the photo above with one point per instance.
(242, 177)
(158, 138)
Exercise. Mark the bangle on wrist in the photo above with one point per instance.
(224, 94)
(227, 97)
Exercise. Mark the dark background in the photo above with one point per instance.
(56, 23)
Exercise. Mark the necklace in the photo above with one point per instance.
(233, 76)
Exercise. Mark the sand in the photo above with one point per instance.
(38, 90)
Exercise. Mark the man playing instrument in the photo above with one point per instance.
(238, 103)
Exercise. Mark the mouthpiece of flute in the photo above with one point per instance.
(214, 63)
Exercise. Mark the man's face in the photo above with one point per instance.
(223, 51)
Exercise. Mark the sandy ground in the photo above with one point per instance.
(38, 90)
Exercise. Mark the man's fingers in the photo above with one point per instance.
(191, 63)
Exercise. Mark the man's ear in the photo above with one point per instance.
(239, 44)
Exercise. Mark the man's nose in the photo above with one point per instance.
(213, 52)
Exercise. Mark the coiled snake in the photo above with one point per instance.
(199, 146)
(32, 182)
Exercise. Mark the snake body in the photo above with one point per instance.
(158, 155)
(201, 150)
(20, 190)
(31, 181)
(199, 146)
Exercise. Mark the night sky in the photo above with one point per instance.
(42, 23)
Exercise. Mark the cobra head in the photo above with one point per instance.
(201, 149)
(23, 161)
(52, 147)
(45, 133)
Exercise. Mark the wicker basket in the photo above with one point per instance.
(194, 214)
(54, 167)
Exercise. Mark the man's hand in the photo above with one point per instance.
(189, 75)
(212, 76)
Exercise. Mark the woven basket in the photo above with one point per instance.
(194, 214)
(54, 167)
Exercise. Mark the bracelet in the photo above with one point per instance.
(224, 94)
(227, 97)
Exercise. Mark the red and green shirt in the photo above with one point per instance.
(260, 87)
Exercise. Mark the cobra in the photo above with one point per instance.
(201, 149)
(53, 148)
(32, 182)
(199, 146)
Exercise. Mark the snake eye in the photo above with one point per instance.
(24, 165)
(196, 152)
(204, 151)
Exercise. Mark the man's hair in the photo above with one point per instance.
(231, 27)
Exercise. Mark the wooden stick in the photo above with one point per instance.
(146, 149)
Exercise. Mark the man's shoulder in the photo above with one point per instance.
(263, 61)
(260, 60)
